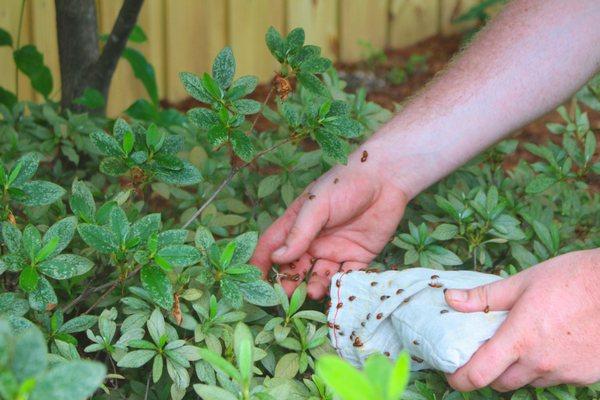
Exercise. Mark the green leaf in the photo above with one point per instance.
(242, 146)
(154, 137)
(137, 35)
(31, 62)
(82, 202)
(28, 279)
(142, 70)
(247, 106)
(399, 377)
(332, 146)
(5, 38)
(204, 118)
(46, 249)
(193, 85)
(41, 193)
(63, 232)
(73, 380)
(297, 299)
(268, 185)
(187, 175)
(180, 255)
(344, 127)
(43, 297)
(259, 293)
(12, 304)
(98, 237)
(158, 285)
(244, 247)
(32, 241)
(128, 142)
(589, 146)
(442, 255)
(539, 184)
(243, 349)
(232, 293)
(91, 99)
(223, 68)
(106, 144)
(294, 40)
(312, 83)
(445, 232)
(211, 392)
(241, 87)
(78, 324)
(65, 266)
(9, 99)
(287, 366)
(275, 43)
(220, 363)
(345, 381)
(28, 165)
(145, 226)
(136, 358)
(315, 65)
(118, 224)
(30, 354)
(11, 236)
(211, 87)
(113, 166)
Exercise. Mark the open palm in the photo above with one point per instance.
(340, 222)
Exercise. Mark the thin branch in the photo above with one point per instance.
(230, 176)
(104, 68)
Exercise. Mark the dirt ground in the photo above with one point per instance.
(375, 73)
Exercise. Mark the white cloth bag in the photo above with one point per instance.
(391, 311)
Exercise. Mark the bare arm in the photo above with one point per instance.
(528, 60)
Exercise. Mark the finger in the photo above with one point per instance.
(293, 274)
(318, 284)
(497, 296)
(545, 382)
(274, 237)
(337, 248)
(311, 218)
(489, 362)
(353, 266)
(515, 377)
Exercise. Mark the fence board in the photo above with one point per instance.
(362, 21)
(125, 88)
(43, 24)
(319, 18)
(195, 32)
(9, 20)
(412, 21)
(248, 21)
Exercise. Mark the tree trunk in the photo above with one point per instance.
(78, 50)
(81, 63)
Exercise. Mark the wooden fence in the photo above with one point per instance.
(185, 35)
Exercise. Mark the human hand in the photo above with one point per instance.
(342, 220)
(550, 336)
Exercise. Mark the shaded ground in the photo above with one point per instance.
(392, 76)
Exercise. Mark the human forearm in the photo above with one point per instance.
(526, 62)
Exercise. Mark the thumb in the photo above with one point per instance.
(311, 218)
(497, 296)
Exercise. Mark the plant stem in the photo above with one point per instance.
(232, 173)
(18, 45)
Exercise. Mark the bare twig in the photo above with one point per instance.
(232, 173)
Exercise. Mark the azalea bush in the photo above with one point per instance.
(125, 244)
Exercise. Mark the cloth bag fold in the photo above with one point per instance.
(388, 312)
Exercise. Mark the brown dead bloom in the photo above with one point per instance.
(12, 219)
(283, 87)
(176, 312)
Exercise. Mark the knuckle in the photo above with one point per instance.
(544, 366)
(477, 379)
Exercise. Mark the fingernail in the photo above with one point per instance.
(459, 296)
(280, 251)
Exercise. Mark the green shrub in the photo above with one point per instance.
(131, 248)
